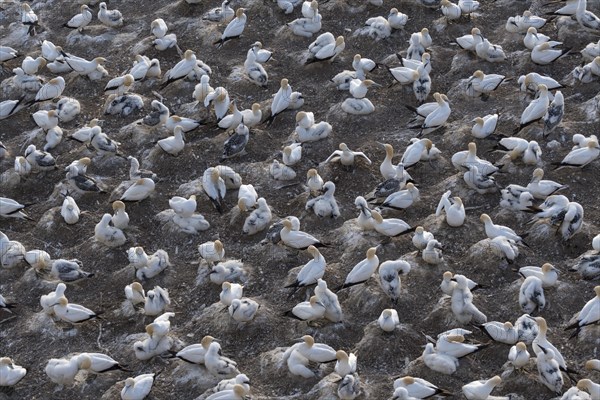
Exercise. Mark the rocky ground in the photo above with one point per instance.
(30, 339)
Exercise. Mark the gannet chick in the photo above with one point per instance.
(63, 371)
(69, 210)
(156, 301)
(109, 235)
(72, 313)
(229, 270)
(236, 143)
(230, 291)
(40, 160)
(218, 365)
(255, 71)
(389, 277)
(480, 390)
(421, 238)
(388, 320)
(156, 263)
(137, 257)
(505, 248)
(243, 309)
(103, 144)
(134, 292)
(589, 314)
(110, 18)
(12, 208)
(22, 166)
(500, 332)
(325, 205)
(10, 373)
(220, 14)
(349, 388)
(548, 369)
(64, 270)
(234, 29)
(391, 227)
(439, 362)
(137, 388)
(432, 254)
(308, 311)
(462, 302)
(333, 310)
(12, 252)
(259, 219)
(419, 388)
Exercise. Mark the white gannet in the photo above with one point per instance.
(480, 390)
(421, 237)
(325, 205)
(181, 69)
(234, 29)
(432, 253)
(462, 302)
(402, 199)
(63, 371)
(51, 90)
(31, 66)
(581, 157)
(454, 345)
(500, 332)
(45, 119)
(218, 365)
(110, 18)
(480, 84)
(479, 182)
(314, 182)
(462, 159)
(202, 89)
(67, 109)
(419, 388)
(156, 301)
(72, 313)
(306, 27)
(388, 320)
(173, 144)
(308, 311)
(450, 10)
(310, 272)
(505, 248)
(590, 387)
(232, 120)
(493, 230)
(214, 187)
(182, 206)
(437, 117)
(587, 19)
(134, 292)
(102, 363)
(589, 314)
(542, 341)
(187, 124)
(38, 159)
(109, 235)
(259, 219)
(413, 152)
(536, 109)
(292, 154)
(454, 209)
(548, 370)
(345, 364)
(490, 52)
(243, 309)
(10, 373)
(359, 88)
(327, 52)
(364, 219)
(10, 107)
(253, 116)
(81, 20)
(389, 277)
(540, 189)
(316, 352)
(518, 355)
(439, 362)
(137, 388)
(137, 257)
(297, 365)
(69, 210)
(159, 28)
(47, 301)
(362, 65)
(281, 101)
(391, 227)
(468, 42)
(333, 310)
(22, 166)
(29, 18)
(230, 291)
(237, 392)
(547, 274)
(195, 353)
(589, 53)
(7, 53)
(396, 19)
(533, 38)
(544, 54)
(120, 218)
(363, 270)
(12, 208)
(297, 239)
(119, 85)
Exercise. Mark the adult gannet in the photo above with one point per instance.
(314, 182)
(325, 205)
(212, 252)
(29, 18)
(480, 390)
(311, 271)
(181, 69)
(229, 292)
(581, 157)
(462, 159)
(195, 353)
(333, 310)
(462, 302)
(586, 386)
(297, 364)
(156, 301)
(137, 388)
(48, 301)
(308, 311)
(468, 42)
(232, 120)
(492, 230)
(297, 239)
(361, 66)
(391, 227)
(589, 314)
(12, 208)
(402, 199)
(234, 29)
(450, 10)
(218, 365)
(419, 388)
(453, 208)
(518, 355)
(141, 189)
(533, 38)
(346, 156)
(159, 28)
(327, 52)
(49, 91)
(413, 152)
(536, 109)
(81, 20)
(542, 341)
(72, 313)
(134, 292)
(10, 373)
(490, 52)
(292, 154)
(316, 352)
(439, 362)
(500, 332)
(544, 54)
(587, 19)
(363, 270)
(63, 371)
(214, 187)
(388, 320)
(281, 101)
(480, 84)
(306, 27)
(7, 53)
(224, 13)
(421, 237)
(547, 274)
(345, 364)
(45, 119)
